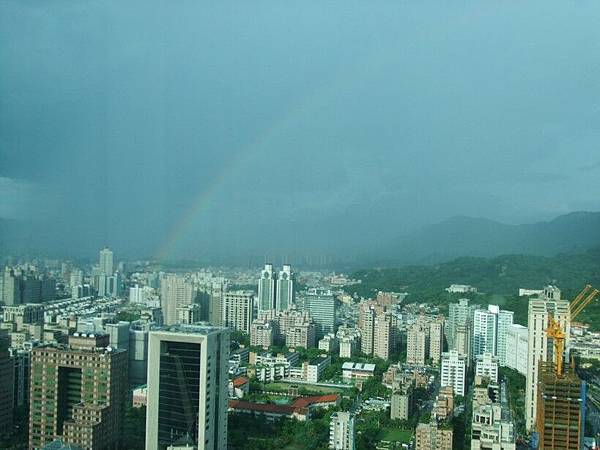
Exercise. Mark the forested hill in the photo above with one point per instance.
(500, 275)
(497, 279)
(460, 236)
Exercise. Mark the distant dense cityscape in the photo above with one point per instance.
(135, 355)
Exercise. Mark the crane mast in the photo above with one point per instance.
(555, 330)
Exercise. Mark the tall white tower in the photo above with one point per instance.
(266, 289)
(106, 261)
(285, 289)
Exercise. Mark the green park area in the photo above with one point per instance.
(395, 435)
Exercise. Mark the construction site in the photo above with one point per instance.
(562, 395)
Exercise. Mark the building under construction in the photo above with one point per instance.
(561, 408)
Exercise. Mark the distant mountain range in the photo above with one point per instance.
(352, 247)
(467, 236)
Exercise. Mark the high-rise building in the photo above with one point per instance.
(382, 341)
(118, 334)
(561, 408)
(462, 341)
(377, 330)
(106, 261)
(76, 278)
(320, 304)
(21, 286)
(215, 304)
(505, 321)
(540, 349)
(486, 365)
(459, 314)
(262, 333)
(300, 334)
(285, 289)
(237, 310)
(11, 287)
(366, 323)
(7, 386)
(138, 352)
(78, 393)
(432, 436)
(436, 340)
(417, 344)
(485, 332)
(517, 348)
(267, 289)
(187, 387)
(188, 314)
(108, 285)
(175, 291)
(341, 431)
(454, 371)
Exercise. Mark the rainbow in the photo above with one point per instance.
(319, 98)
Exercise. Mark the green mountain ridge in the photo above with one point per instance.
(498, 279)
(461, 235)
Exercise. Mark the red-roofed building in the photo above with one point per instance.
(299, 409)
(239, 387)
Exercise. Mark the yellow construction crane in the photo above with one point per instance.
(555, 331)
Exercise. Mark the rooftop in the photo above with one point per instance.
(358, 366)
(190, 329)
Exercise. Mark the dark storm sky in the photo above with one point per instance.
(179, 128)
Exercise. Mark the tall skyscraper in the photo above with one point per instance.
(285, 289)
(215, 304)
(320, 304)
(459, 314)
(341, 431)
(175, 291)
(237, 310)
(505, 321)
(366, 323)
(266, 289)
(78, 393)
(436, 339)
(539, 347)
(485, 332)
(187, 387)
(382, 341)
(106, 261)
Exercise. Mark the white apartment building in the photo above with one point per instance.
(485, 329)
(454, 371)
(175, 291)
(261, 333)
(517, 348)
(341, 431)
(329, 343)
(505, 321)
(237, 309)
(486, 365)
